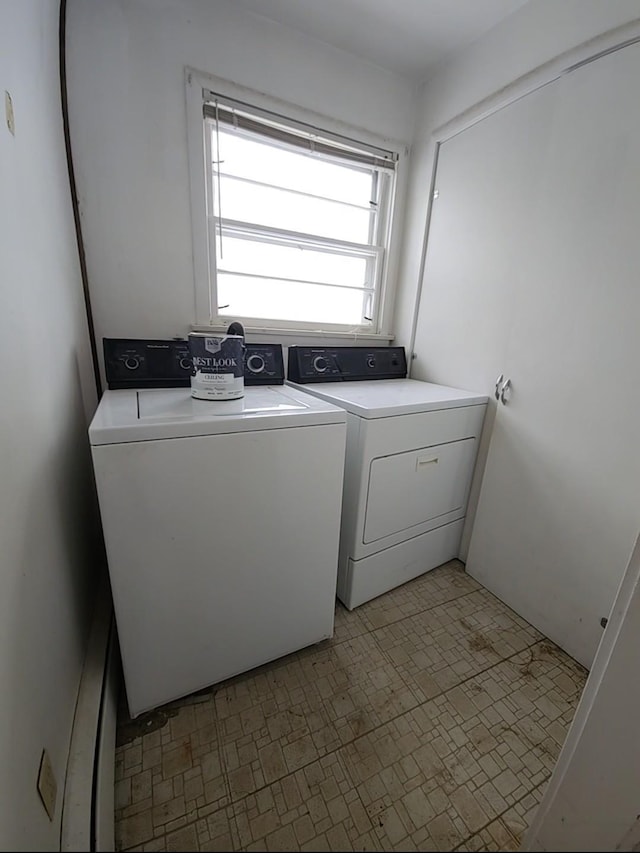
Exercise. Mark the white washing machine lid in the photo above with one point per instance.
(144, 415)
(385, 398)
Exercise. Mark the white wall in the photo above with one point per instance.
(127, 109)
(48, 520)
(534, 35)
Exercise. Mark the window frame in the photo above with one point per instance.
(199, 89)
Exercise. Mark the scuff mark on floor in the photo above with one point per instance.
(128, 730)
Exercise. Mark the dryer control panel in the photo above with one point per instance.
(263, 364)
(345, 364)
(136, 363)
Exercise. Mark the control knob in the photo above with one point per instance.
(132, 363)
(256, 363)
(186, 363)
(371, 362)
(320, 363)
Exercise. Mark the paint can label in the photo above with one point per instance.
(218, 366)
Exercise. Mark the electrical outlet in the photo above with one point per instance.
(47, 786)
(8, 111)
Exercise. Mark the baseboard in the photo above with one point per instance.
(88, 788)
(104, 776)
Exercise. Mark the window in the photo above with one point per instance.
(297, 221)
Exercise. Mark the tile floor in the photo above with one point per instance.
(430, 721)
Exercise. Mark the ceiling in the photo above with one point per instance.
(409, 37)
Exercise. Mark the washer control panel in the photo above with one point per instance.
(135, 363)
(345, 364)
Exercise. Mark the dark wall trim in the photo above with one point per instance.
(74, 194)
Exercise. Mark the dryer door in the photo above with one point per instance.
(418, 486)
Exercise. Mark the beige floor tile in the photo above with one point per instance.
(360, 687)
(347, 624)
(431, 720)
(440, 648)
(436, 587)
(271, 722)
(313, 806)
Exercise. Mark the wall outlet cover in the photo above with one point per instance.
(47, 786)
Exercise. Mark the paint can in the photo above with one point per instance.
(218, 366)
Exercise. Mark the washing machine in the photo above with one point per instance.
(410, 455)
(221, 530)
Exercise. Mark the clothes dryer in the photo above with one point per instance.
(410, 456)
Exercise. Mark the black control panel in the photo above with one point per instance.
(135, 363)
(263, 364)
(132, 363)
(345, 364)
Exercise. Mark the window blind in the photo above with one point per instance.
(296, 134)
